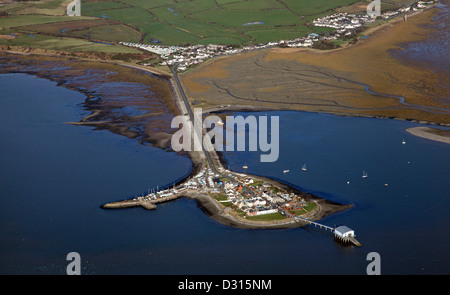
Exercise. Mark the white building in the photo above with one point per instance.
(344, 232)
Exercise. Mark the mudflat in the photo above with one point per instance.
(124, 100)
(361, 80)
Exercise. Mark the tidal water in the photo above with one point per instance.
(54, 177)
(435, 50)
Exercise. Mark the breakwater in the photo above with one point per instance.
(149, 204)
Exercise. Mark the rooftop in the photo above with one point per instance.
(342, 229)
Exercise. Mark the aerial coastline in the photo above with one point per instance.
(102, 115)
(225, 215)
(301, 78)
(205, 201)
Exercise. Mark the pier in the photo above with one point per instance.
(144, 202)
(316, 224)
(341, 233)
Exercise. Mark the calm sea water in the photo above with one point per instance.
(55, 176)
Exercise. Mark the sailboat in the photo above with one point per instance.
(364, 175)
(304, 167)
(403, 141)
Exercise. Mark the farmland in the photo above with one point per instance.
(223, 21)
(44, 24)
(169, 22)
(57, 32)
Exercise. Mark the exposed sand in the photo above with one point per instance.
(428, 133)
(125, 100)
(7, 37)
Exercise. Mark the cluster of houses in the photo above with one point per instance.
(422, 4)
(159, 194)
(203, 179)
(413, 7)
(185, 56)
(247, 198)
(260, 198)
(344, 22)
(264, 198)
(243, 192)
(252, 197)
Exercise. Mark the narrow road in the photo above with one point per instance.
(198, 133)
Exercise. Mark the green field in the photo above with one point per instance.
(26, 20)
(176, 22)
(267, 217)
(65, 44)
(109, 33)
(315, 7)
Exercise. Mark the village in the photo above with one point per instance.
(185, 57)
(192, 55)
(344, 24)
(238, 191)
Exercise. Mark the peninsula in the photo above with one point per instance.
(235, 199)
(290, 74)
(229, 83)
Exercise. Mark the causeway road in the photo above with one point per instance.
(197, 132)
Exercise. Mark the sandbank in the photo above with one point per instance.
(428, 133)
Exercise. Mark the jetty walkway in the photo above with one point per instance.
(341, 233)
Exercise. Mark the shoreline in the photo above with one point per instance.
(249, 108)
(388, 94)
(215, 108)
(428, 133)
(207, 203)
(325, 207)
(227, 216)
(213, 208)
